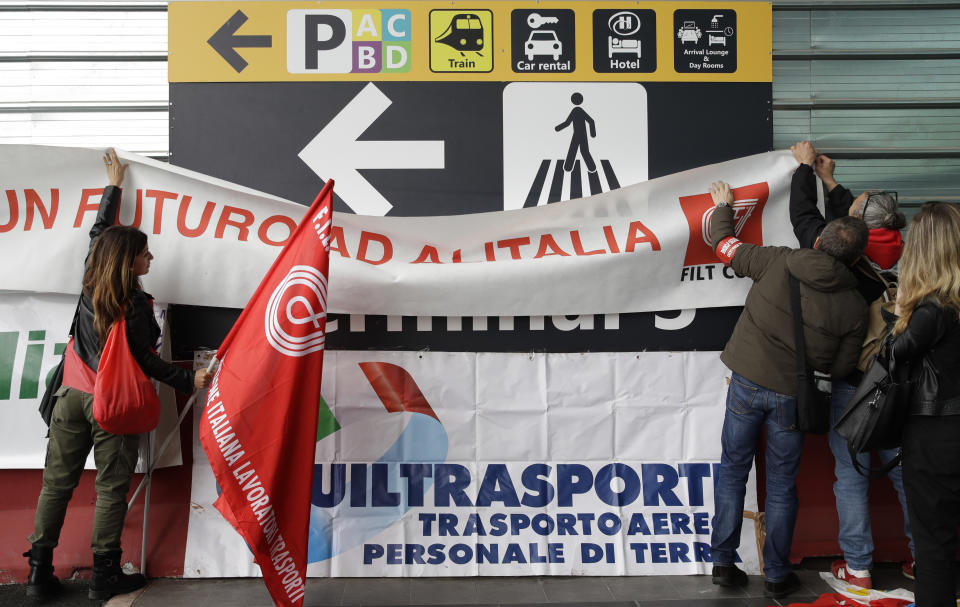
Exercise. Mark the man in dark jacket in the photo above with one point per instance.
(762, 394)
(875, 271)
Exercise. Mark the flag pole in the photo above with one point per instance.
(147, 480)
(146, 513)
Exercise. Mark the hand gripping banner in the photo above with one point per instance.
(260, 423)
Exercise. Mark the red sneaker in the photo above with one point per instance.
(840, 571)
(907, 570)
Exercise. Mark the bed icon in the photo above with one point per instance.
(622, 45)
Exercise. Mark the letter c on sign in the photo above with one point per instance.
(392, 28)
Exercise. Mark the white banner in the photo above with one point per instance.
(33, 335)
(509, 464)
(638, 248)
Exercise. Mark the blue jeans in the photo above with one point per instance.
(749, 408)
(851, 489)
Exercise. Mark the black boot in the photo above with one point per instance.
(109, 578)
(41, 583)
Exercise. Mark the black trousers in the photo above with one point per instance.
(931, 478)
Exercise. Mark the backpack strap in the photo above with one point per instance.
(799, 341)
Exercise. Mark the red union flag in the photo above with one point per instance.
(748, 203)
(259, 427)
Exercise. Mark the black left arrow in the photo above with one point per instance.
(225, 41)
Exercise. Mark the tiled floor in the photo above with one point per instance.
(660, 591)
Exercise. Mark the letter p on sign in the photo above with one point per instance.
(318, 41)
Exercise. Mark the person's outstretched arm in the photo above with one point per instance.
(839, 198)
(110, 201)
(805, 216)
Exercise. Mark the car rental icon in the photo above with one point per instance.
(542, 43)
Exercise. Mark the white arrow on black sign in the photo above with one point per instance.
(336, 154)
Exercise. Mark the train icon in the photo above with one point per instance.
(465, 33)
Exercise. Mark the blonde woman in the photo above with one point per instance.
(927, 338)
(111, 289)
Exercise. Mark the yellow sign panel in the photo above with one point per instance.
(470, 41)
(461, 40)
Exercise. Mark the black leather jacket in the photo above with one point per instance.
(142, 328)
(931, 347)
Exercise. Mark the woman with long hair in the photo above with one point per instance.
(111, 290)
(926, 337)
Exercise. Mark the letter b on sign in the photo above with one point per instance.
(366, 57)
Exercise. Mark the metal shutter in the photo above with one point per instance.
(85, 74)
(875, 85)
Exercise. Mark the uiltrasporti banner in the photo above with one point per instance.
(439, 463)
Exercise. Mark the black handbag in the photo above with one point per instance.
(877, 412)
(813, 405)
(49, 399)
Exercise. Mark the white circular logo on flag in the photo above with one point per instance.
(297, 312)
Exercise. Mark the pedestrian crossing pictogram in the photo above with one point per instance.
(563, 141)
(553, 183)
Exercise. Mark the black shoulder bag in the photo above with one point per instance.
(877, 412)
(48, 400)
(813, 405)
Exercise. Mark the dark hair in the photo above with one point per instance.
(109, 280)
(844, 238)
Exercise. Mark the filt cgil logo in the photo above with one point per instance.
(747, 206)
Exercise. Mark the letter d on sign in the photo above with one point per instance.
(396, 57)
(591, 553)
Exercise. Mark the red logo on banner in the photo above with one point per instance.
(748, 203)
